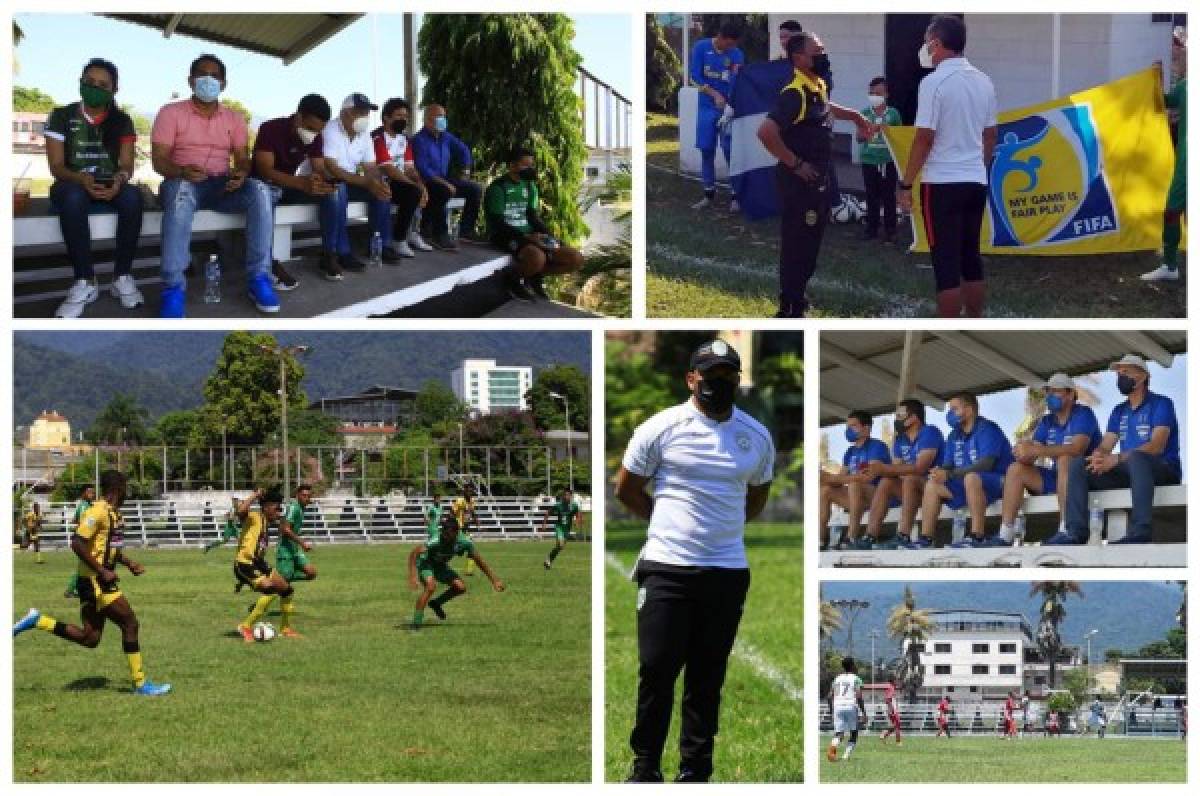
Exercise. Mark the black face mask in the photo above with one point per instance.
(1125, 384)
(898, 424)
(715, 395)
(821, 64)
(529, 174)
(399, 126)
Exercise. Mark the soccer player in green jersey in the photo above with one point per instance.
(433, 514)
(290, 558)
(1176, 201)
(566, 514)
(230, 529)
(85, 502)
(429, 565)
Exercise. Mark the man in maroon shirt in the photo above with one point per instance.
(281, 146)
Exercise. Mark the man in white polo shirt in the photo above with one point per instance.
(709, 466)
(951, 153)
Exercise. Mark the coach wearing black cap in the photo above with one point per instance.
(708, 466)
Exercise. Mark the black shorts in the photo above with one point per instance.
(512, 243)
(250, 573)
(91, 593)
(953, 215)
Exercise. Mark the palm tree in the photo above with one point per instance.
(831, 621)
(18, 37)
(1181, 615)
(1054, 594)
(909, 624)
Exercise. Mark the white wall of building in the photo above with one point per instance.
(477, 382)
(962, 658)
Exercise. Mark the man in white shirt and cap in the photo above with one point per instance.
(708, 466)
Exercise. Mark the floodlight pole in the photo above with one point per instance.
(283, 353)
(570, 451)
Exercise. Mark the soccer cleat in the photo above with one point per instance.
(922, 543)
(1164, 273)
(1134, 538)
(831, 754)
(82, 293)
(287, 632)
(152, 689)
(438, 611)
(247, 634)
(281, 279)
(546, 564)
(262, 294)
(125, 290)
(27, 623)
(173, 300)
(1065, 538)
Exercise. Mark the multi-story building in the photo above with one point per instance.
(486, 387)
(975, 654)
(50, 431)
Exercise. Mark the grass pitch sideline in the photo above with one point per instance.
(499, 693)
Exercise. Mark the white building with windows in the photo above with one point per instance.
(487, 387)
(975, 654)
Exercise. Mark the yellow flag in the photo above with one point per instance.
(1084, 174)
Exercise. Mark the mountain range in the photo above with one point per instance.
(77, 373)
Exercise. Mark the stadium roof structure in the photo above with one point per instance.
(284, 36)
(974, 621)
(874, 370)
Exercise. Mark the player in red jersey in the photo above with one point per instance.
(893, 713)
(1010, 720)
(943, 717)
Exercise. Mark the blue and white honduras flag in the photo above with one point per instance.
(751, 166)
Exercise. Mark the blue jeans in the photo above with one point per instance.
(73, 205)
(335, 235)
(1140, 473)
(181, 199)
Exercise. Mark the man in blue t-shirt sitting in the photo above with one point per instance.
(1144, 424)
(915, 451)
(851, 487)
(975, 458)
(1068, 431)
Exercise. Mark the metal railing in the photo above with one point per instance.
(335, 519)
(607, 115)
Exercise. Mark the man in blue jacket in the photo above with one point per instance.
(436, 153)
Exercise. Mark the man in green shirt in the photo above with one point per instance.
(86, 499)
(566, 513)
(429, 565)
(290, 559)
(433, 514)
(510, 206)
(878, 169)
(1176, 206)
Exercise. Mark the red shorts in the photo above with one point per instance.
(894, 718)
(942, 722)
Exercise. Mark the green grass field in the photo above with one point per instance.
(712, 264)
(975, 759)
(761, 736)
(499, 693)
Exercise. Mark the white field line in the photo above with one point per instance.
(744, 652)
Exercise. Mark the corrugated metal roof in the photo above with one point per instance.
(981, 362)
(284, 36)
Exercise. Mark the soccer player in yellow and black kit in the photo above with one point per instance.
(251, 568)
(463, 509)
(33, 531)
(98, 547)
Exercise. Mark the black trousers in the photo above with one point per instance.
(880, 183)
(953, 214)
(435, 210)
(687, 621)
(406, 196)
(804, 213)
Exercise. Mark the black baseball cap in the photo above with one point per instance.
(359, 102)
(713, 353)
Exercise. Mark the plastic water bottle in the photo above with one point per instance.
(377, 250)
(454, 223)
(837, 528)
(212, 280)
(959, 528)
(1019, 529)
(1096, 520)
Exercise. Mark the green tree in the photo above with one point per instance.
(910, 626)
(182, 427)
(243, 388)
(1049, 641)
(1078, 684)
(755, 41)
(121, 421)
(309, 427)
(436, 405)
(27, 99)
(508, 80)
(238, 107)
(634, 389)
(663, 69)
(568, 381)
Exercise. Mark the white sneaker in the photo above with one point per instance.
(417, 242)
(81, 294)
(402, 249)
(703, 203)
(125, 290)
(1164, 273)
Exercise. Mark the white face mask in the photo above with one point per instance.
(875, 100)
(361, 124)
(307, 136)
(924, 57)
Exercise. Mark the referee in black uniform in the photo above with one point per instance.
(709, 467)
(799, 133)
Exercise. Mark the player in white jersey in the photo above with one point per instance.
(846, 704)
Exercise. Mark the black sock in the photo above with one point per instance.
(60, 630)
(129, 647)
(554, 551)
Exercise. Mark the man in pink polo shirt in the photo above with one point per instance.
(192, 143)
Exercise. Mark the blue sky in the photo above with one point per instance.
(1008, 408)
(57, 45)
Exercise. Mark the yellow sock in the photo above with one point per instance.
(259, 611)
(135, 668)
(285, 612)
(46, 623)
(470, 566)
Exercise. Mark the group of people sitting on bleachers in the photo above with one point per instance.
(201, 149)
(1067, 456)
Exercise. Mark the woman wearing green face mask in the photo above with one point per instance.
(90, 147)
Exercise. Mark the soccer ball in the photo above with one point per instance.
(850, 210)
(264, 631)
